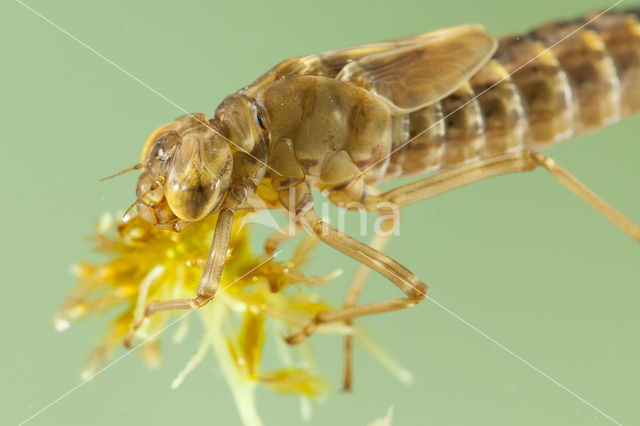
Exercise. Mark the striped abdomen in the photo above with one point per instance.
(539, 88)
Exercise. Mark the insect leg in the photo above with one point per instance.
(378, 242)
(506, 163)
(404, 279)
(208, 282)
(588, 196)
(272, 243)
(454, 178)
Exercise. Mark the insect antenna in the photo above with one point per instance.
(144, 194)
(136, 167)
(130, 207)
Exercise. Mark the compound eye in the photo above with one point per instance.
(161, 153)
(198, 179)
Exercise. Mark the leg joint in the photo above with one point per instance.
(200, 301)
(417, 292)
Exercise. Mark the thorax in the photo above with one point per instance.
(311, 118)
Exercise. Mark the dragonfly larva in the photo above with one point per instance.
(455, 102)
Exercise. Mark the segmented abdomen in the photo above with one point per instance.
(541, 87)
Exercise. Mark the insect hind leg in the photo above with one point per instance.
(522, 161)
(588, 196)
(378, 242)
(501, 164)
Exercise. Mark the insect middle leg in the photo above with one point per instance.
(501, 164)
(404, 279)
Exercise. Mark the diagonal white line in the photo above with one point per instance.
(400, 147)
(126, 354)
(101, 56)
(492, 86)
(515, 355)
(503, 347)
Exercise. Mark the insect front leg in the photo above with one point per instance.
(208, 282)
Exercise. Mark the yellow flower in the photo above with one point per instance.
(144, 263)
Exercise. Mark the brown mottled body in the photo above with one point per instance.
(532, 95)
(533, 92)
(453, 101)
(333, 130)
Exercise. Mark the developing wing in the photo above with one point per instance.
(420, 70)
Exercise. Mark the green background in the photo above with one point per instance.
(518, 257)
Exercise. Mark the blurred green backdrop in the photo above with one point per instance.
(518, 257)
